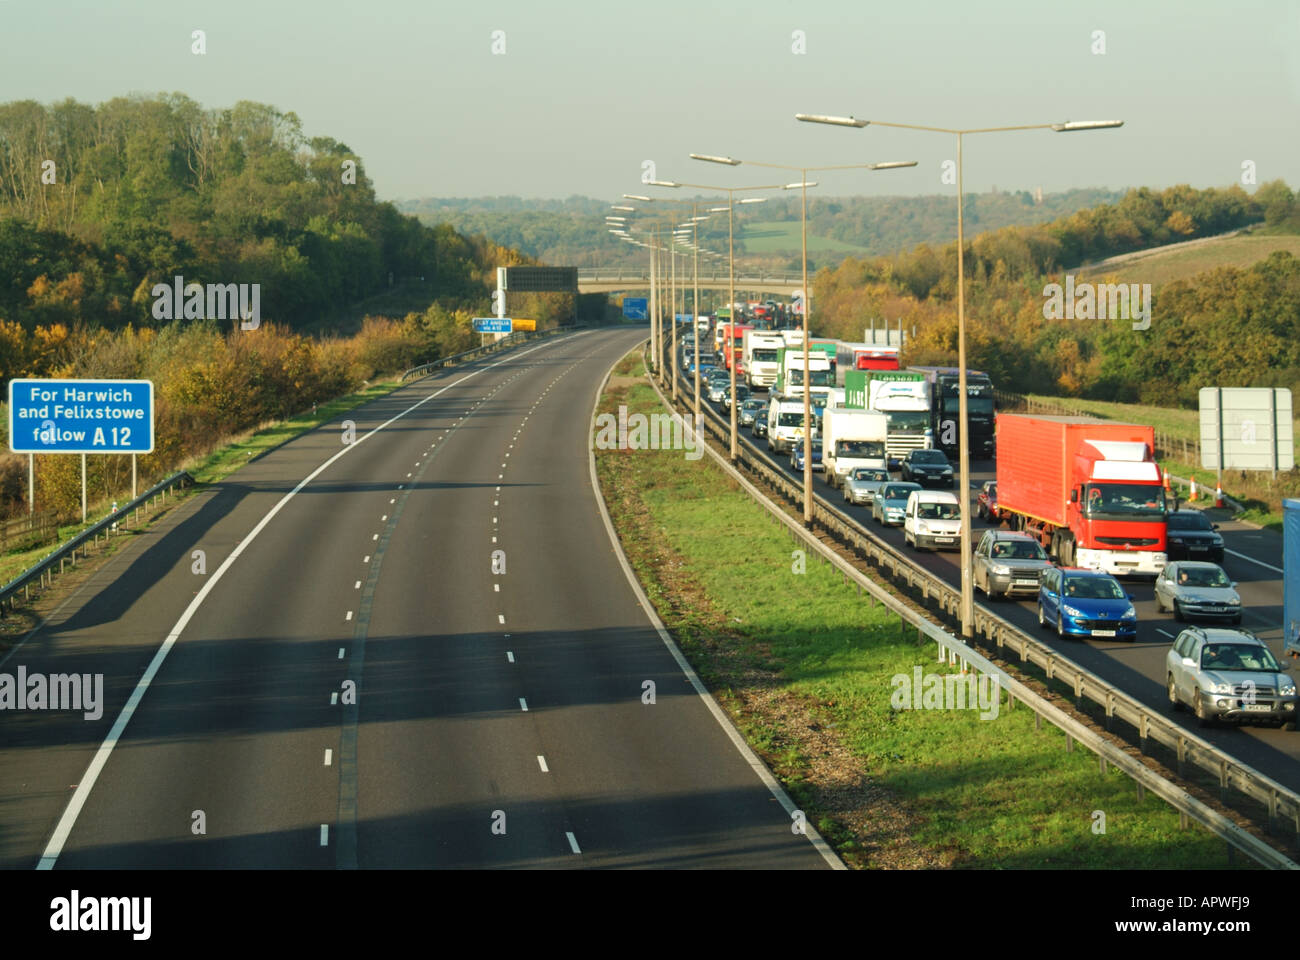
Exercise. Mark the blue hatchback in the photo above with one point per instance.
(1085, 603)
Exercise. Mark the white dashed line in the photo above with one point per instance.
(510, 657)
(375, 537)
(357, 585)
(1165, 632)
(329, 758)
(501, 618)
(541, 762)
(523, 704)
(340, 653)
(349, 616)
(334, 698)
(1253, 560)
(324, 834)
(366, 558)
(573, 842)
(496, 588)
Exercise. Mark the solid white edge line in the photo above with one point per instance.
(68, 819)
(1253, 560)
(755, 762)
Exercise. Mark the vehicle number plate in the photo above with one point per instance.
(1259, 707)
(1025, 583)
(1199, 549)
(943, 539)
(1103, 633)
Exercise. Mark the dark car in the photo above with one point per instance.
(759, 429)
(796, 456)
(928, 468)
(1191, 536)
(986, 504)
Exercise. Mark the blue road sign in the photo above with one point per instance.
(81, 416)
(684, 318)
(492, 324)
(636, 308)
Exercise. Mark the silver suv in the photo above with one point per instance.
(1008, 563)
(1225, 674)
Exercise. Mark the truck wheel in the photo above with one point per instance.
(1173, 695)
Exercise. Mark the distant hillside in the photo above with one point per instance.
(573, 231)
(1182, 261)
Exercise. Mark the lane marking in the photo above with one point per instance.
(366, 558)
(573, 842)
(334, 698)
(324, 834)
(357, 586)
(1165, 632)
(329, 757)
(501, 618)
(541, 762)
(496, 588)
(510, 657)
(523, 704)
(1253, 560)
(63, 829)
(340, 653)
(349, 616)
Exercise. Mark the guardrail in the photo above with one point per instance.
(44, 569)
(518, 337)
(1280, 801)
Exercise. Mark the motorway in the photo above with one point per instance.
(1254, 560)
(357, 679)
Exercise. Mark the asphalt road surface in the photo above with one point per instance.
(357, 679)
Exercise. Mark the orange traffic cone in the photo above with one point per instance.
(1166, 473)
(1192, 497)
(1218, 494)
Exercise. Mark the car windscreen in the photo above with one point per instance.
(1017, 550)
(1201, 577)
(1136, 501)
(1237, 656)
(937, 511)
(790, 420)
(897, 492)
(866, 473)
(874, 449)
(1189, 521)
(763, 356)
(1093, 588)
(929, 457)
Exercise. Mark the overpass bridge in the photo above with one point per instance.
(615, 279)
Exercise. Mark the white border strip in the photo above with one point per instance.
(754, 761)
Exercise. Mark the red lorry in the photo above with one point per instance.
(1090, 490)
(733, 344)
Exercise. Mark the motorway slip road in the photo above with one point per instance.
(498, 718)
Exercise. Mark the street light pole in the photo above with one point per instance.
(967, 608)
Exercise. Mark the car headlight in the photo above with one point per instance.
(1072, 611)
(922, 527)
(1175, 539)
(1220, 688)
(1235, 602)
(1217, 542)
(947, 471)
(1287, 688)
(1129, 614)
(999, 569)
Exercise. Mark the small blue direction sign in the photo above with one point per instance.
(636, 308)
(81, 416)
(492, 324)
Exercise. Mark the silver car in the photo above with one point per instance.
(862, 483)
(1194, 589)
(888, 505)
(748, 410)
(1008, 563)
(1230, 675)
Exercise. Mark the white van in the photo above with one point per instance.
(932, 519)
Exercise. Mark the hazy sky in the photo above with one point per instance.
(585, 92)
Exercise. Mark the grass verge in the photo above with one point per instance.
(805, 668)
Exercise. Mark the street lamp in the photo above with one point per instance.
(967, 587)
(803, 186)
(731, 282)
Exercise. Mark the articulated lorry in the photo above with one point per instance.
(1089, 490)
(852, 437)
(945, 383)
(762, 358)
(904, 398)
(789, 381)
(865, 356)
(733, 346)
(1291, 576)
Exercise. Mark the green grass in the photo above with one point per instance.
(1158, 269)
(988, 793)
(784, 236)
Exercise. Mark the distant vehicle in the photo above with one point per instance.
(785, 424)
(1194, 589)
(1225, 674)
(742, 394)
(796, 457)
(888, 506)
(854, 438)
(718, 386)
(863, 483)
(748, 410)
(762, 358)
(945, 387)
(759, 429)
(928, 467)
(789, 379)
(1085, 603)
(1190, 535)
(986, 505)
(1090, 490)
(932, 518)
(904, 398)
(1008, 563)
(866, 356)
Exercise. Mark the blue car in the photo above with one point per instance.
(796, 456)
(1085, 603)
